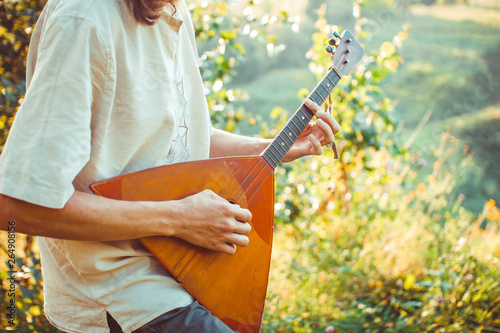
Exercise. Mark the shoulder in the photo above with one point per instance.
(83, 9)
(93, 21)
(101, 14)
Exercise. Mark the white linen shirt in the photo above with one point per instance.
(105, 96)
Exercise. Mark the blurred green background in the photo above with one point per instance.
(450, 68)
(401, 233)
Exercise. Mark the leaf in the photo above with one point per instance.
(344, 269)
(445, 285)
(35, 310)
(434, 272)
(229, 35)
(240, 48)
(409, 282)
(425, 283)
(412, 304)
(276, 112)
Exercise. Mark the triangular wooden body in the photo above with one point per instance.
(234, 287)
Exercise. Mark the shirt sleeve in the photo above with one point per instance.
(49, 142)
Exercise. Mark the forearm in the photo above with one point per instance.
(309, 142)
(224, 144)
(203, 219)
(87, 217)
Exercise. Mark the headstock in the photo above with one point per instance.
(346, 51)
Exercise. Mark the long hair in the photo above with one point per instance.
(147, 11)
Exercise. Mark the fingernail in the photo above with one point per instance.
(320, 113)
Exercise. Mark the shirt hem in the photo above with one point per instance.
(51, 198)
(153, 316)
(69, 330)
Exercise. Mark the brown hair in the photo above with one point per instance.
(146, 11)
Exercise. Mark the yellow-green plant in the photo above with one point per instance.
(362, 245)
(404, 258)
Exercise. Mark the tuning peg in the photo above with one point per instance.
(329, 49)
(332, 42)
(336, 34)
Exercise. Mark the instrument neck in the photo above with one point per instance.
(297, 123)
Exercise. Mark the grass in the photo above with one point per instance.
(460, 13)
(479, 135)
(399, 260)
(442, 60)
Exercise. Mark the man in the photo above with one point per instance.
(114, 87)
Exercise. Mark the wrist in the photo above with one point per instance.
(166, 217)
(224, 144)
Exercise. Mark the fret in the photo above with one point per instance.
(334, 77)
(288, 135)
(307, 114)
(327, 92)
(329, 84)
(288, 140)
(285, 143)
(278, 151)
(321, 99)
(335, 69)
(280, 145)
(275, 157)
(294, 124)
(292, 132)
(302, 121)
(330, 81)
(270, 161)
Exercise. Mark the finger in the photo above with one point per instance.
(242, 214)
(328, 136)
(307, 130)
(226, 248)
(241, 228)
(238, 240)
(325, 116)
(211, 194)
(328, 119)
(316, 145)
(311, 105)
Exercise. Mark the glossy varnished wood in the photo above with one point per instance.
(232, 287)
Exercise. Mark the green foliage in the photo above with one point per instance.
(28, 296)
(17, 19)
(361, 244)
(367, 125)
(483, 138)
(220, 31)
(399, 260)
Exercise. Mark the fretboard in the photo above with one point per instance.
(298, 122)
